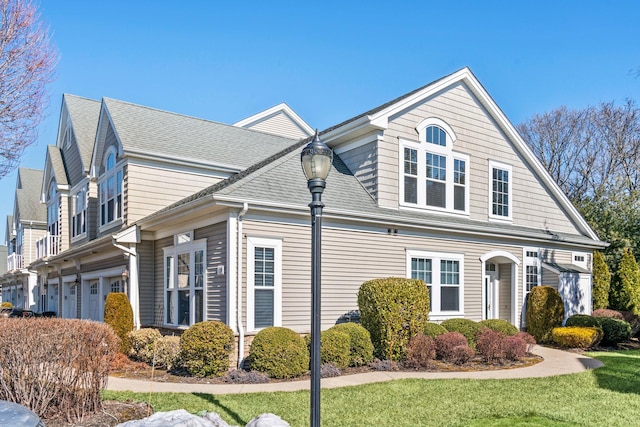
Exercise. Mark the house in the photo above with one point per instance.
(197, 220)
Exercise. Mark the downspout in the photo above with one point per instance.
(245, 208)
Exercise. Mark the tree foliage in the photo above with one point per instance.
(625, 294)
(27, 63)
(601, 282)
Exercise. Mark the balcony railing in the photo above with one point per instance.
(14, 262)
(47, 246)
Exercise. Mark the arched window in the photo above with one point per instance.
(433, 175)
(110, 189)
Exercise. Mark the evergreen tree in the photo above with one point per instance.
(625, 293)
(601, 281)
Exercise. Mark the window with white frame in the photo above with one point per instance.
(110, 190)
(533, 273)
(264, 282)
(500, 178)
(184, 279)
(79, 224)
(444, 275)
(433, 176)
(116, 285)
(53, 209)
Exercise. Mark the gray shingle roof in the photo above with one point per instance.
(154, 132)
(57, 164)
(84, 114)
(28, 196)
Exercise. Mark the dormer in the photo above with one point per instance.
(278, 120)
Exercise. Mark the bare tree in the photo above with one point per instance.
(27, 65)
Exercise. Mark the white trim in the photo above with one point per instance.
(505, 167)
(436, 257)
(495, 254)
(283, 108)
(435, 121)
(276, 244)
(584, 263)
(357, 143)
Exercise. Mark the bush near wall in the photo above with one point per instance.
(577, 336)
(500, 325)
(119, 315)
(467, 327)
(279, 352)
(615, 330)
(143, 343)
(334, 348)
(56, 367)
(421, 351)
(205, 348)
(545, 311)
(453, 347)
(360, 346)
(6, 304)
(393, 310)
(583, 320)
(432, 329)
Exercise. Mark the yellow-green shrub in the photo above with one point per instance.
(393, 310)
(167, 352)
(142, 344)
(500, 325)
(545, 311)
(119, 315)
(334, 348)
(279, 352)
(577, 336)
(432, 329)
(6, 304)
(360, 346)
(467, 327)
(205, 348)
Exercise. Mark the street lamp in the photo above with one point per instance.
(316, 161)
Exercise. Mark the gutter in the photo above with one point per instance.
(245, 208)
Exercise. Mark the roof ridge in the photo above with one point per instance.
(79, 97)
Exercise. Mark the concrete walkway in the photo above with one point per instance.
(556, 362)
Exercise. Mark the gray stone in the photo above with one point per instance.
(268, 420)
(178, 418)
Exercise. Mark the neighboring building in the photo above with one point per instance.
(197, 220)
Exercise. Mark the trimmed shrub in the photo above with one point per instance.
(119, 315)
(447, 343)
(545, 311)
(334, 348)
(432, 329)
(205, 348)
(601, 281)
(393, 310)
(515, 348)
(279, 352)
(633, 320)
(577, 336)
(625, 289)
(615, 330)
(500, 325)
(421, 350)
(6, 304)
(461, 354)
(605, 312)
(142, 342)
(490, 346)
(467, 327)
(529, 340)
(167, 351)
(583, 320)
(361, 348)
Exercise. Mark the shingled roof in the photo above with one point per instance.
(84, 114)
(28, 195)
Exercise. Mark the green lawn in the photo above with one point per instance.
(609, 396)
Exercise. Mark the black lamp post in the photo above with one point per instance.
(316, 161)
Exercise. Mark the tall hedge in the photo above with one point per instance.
(393, 310)
(119, 315)
(625, 292)
(545, 311)
(601, 281)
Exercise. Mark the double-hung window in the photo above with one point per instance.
(443, 274)
(110, 190)
(264, 282)
(79, 225)
(500, 179)
(532, 269)
(53, 209)
(433, 176)
(184, 280)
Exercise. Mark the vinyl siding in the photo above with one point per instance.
(146, 280)
(549, 278)
(31, 235)
(158, 288)
(479, 137)
(216, 288)
(73, 162)
(151, 189)
(279, 124)
(362, 162)
(504, 292)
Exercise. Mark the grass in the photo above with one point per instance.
(609, 396)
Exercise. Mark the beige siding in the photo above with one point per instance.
(31, 235)
(549, 278)
(216, 288)
(146, 281)
(150, 189)
(504, 293)
(362, 162)
(73, 163)
(158, 257)
(479, 137)
(279, 124)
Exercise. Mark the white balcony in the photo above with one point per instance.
(15, 262)
(47, 246)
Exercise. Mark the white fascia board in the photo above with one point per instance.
(130, 235)
(348, 128)
(225, 169)
(282, 107)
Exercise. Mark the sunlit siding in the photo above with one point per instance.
(146, 280)
(362, 162)
(504, 291)
(279, 124)
(158, 288)
(216, 287)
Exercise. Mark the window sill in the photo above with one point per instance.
(502, 219)
(439, 317)
(431, 209)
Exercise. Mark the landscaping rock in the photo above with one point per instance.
(268, 420)
(179, 418)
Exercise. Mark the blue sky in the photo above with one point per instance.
(332, 60)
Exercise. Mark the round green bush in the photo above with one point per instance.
(360, 346)
(615, 330)
(500, 325)
(119, 315)
(205, 348)
(393, 310)
(545, 311)
(142, 344)
(583, 320)
(334, 348)
(279, 352)
(167, 352)
(432, 329)
(467, 327)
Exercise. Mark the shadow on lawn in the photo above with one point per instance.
(212, 399)
(621, 371)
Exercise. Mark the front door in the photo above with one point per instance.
(53, 299)
(73, 302)
(491, 295)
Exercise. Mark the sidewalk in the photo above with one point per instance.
(556, 362)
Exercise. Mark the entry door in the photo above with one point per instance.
(53, 298)
(491, 295)
(95, 307)
(73, 302)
